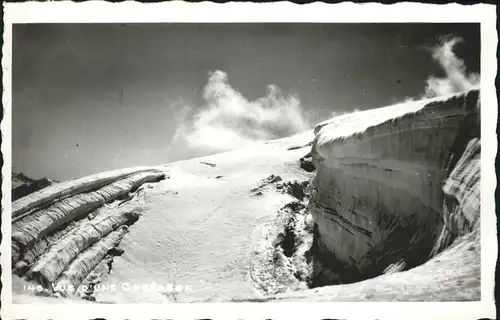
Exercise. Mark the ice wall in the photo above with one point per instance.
(377, 197)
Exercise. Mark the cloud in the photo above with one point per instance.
(227, 120)
(456, 78)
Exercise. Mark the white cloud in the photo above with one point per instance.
(456, 78)
(227, 120)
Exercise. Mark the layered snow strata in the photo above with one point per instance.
(377, 196)
(62, 232)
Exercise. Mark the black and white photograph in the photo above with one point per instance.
(248, 162)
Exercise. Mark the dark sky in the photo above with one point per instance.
(95, 97)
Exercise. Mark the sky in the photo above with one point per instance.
(87, 98)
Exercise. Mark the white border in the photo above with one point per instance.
(99, 11)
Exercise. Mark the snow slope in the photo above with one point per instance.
(198, 229)
(197, 226)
